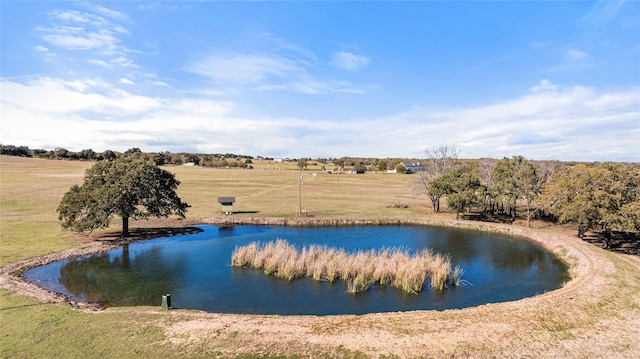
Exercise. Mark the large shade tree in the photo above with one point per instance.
(601, 196)
(519, 178)
(461, 185)
(125, 187)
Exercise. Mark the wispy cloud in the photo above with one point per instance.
(572, 59)
(349, 61)
(45, 54)
(126, 81)
(603, 11)
(544, 85)
(88, 31)
(113, 14)
(245, 68)
(266, 71)
(575, 54)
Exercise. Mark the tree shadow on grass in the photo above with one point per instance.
(141, 234)
(22, 306)
(621, 242)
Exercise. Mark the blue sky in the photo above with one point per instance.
(542, 79)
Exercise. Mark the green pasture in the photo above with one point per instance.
(278, 193)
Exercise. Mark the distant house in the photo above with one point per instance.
(413, 167)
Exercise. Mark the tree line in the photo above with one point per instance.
(159, 158)
(596, 196)
(216, 160)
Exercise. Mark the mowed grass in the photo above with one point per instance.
(30, 191)
(278, 193)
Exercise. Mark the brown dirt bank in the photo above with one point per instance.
(595, 315)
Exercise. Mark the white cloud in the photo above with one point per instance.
(244, 68)
(75, 98)
(126, 81)
(159, 83)
(572, 123)
(291, 50)
(265, 72)
(45, 53)
(603, 11)
(123, 62)
(349, 61)
(89, 32)
(116, 15)
(99, 62)
(77, 39)
(576, 54)
(573, 59)
(544, 85)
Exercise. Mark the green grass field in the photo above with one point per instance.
(598, 323)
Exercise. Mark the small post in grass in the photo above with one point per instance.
(166, 302)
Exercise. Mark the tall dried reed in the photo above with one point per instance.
(359, 270)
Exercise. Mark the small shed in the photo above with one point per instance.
(226, 204)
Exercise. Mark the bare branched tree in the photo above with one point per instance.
(439, 161)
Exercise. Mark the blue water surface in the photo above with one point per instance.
(196, 270)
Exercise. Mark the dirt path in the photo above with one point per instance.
(595, 315)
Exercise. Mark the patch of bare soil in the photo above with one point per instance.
(595, 315)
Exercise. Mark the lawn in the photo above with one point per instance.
(596, 315)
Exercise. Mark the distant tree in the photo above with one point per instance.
(485, 170)
(39, 152)
(462, 187)
(61, 153)
(109, 155)
(440, 160)
(302, 163)
(519, 178)
(12, 150)
(134, 152)
(87, 154)
(400, 168)
(382, 166)
(127, 187)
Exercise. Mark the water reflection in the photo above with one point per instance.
(196, 270)
(120, 278)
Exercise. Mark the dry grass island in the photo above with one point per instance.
(595, 315)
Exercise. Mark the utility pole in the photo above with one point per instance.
(300, 192)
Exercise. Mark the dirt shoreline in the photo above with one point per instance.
(593, 315)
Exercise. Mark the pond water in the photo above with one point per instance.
(196, 270)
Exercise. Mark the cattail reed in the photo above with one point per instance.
(360, 270)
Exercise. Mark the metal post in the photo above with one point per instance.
(299, 192)
(166, 302)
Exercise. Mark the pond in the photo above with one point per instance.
(196, 270)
